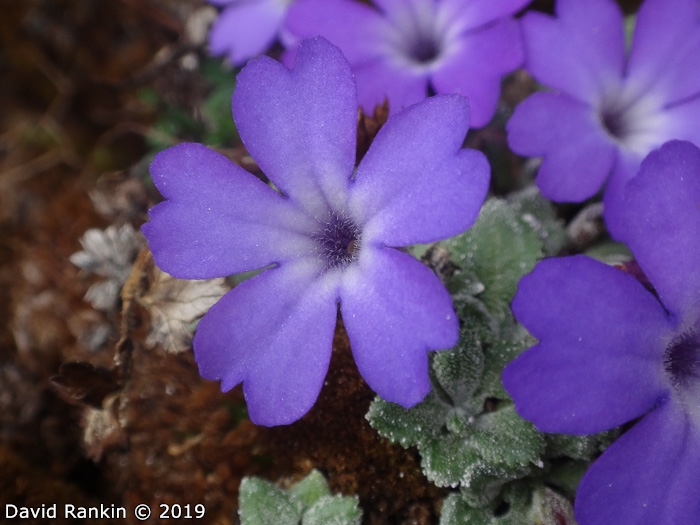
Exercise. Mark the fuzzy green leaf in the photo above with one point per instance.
(405, 426)
(309, 502)
(539, 214)
(310, 489)
(521, 503)
(216, 110)
(495, 448)
(503, 437)
(262, 503)
(610, 252)
(334, 510)
(550, 508)
(497, 356)
(566, 474)
(458, 372)
(498, 250)
(449, 460)
(513, 508)
(579, 447)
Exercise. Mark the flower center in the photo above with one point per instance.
(633, 124)
(423, 49)
(338, 241)
(682, 359)
(614, 123)
(419, 35)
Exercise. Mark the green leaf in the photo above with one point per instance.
(333, 510)
(220, 129)
(496, 448)
(262, 503)
(449, 460)
(455, 511)
(173, 125)
(406, 426)
(149, 96)
(512, 508)
(566, 475)
(539, 213)
(503, 437)
(309, 502)
(548, 507)
(497, 356)
(498, 250)
(610, 252)
(310, 489)
(419, 250)
(458, 371)
(521, 503)
(585, 448)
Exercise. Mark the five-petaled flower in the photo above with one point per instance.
(327, 237)
(247, 28)
(607, 109)
(611, 351)
(399, 49)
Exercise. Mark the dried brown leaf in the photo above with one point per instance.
(368, 126)
(102, 429)
(121, 196)
(83, 383)
(109, 253)
(174, 304)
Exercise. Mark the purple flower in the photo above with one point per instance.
(607, 108)
(401, 48)
(611, 351)
(327, 237)
(246, 28)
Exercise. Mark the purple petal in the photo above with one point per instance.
(416, 184)
(625, 168)
(476, 67)
(381, 79)
(354, 27)
(394, 8)
(649, 475)
(599, 360)
(218, 219)
(680, 122)
(665, 48)
(274, 332)
(578, 154)
(300, 126)
(395, 310)
(680, 80)
(582, 52)
(246, 29)
(221, 3)
(660, 223)
(477, 13)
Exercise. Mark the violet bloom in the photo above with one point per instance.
(246, 28)
(611, 351)
(327, 237)
(608, 108)
(399, 49)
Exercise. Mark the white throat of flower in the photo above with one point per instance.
(420, 36)
(637, 124)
